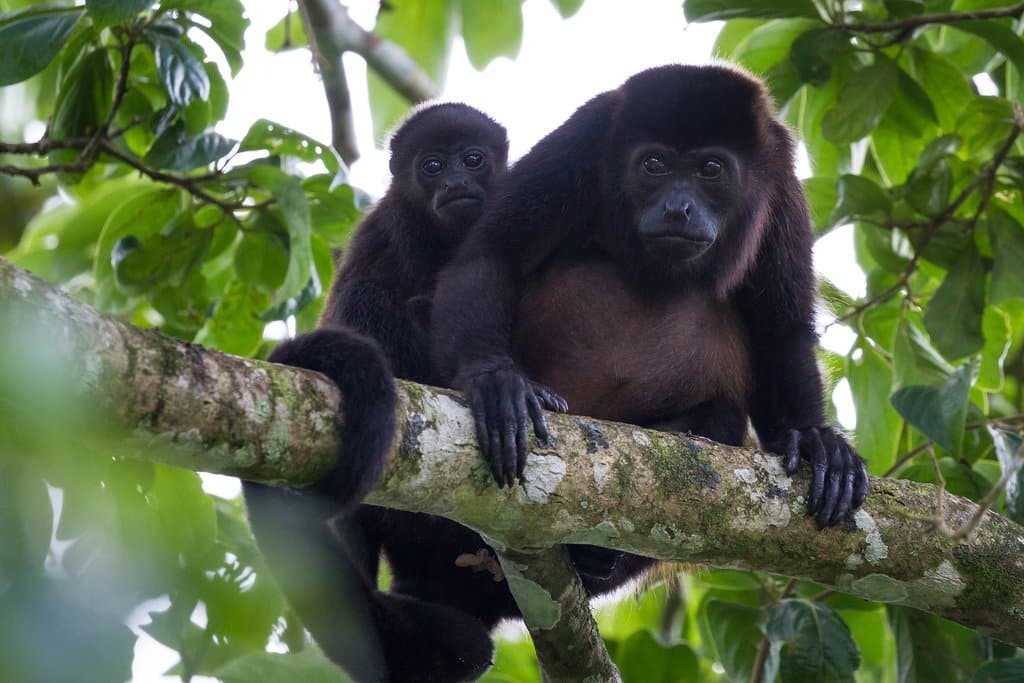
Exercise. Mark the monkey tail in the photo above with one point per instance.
(326, 570)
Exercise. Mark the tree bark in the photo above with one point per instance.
(663, 495)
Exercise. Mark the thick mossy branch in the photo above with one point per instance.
(605, 484)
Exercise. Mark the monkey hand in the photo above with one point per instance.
(504, 401)
(839, 482)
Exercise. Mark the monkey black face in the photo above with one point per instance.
(681, 198)
(455, 183)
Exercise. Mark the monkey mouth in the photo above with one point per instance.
(461, 200)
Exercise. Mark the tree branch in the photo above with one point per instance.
(662, 495)
(337, 29)
(327, 54)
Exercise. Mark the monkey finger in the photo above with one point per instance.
(494, 431)
(836, 471)
(522, 433)
(508, 436)
(863, 484)
(846, 498)
(536, 413)
(791, 454)
(815, 450)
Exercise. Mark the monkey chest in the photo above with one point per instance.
(616, 353)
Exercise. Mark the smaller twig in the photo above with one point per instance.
(764, 647)
(910, 23)
(985, 504)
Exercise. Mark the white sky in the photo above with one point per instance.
(562, 63)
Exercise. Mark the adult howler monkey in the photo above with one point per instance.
(650, 260)
(444, 161)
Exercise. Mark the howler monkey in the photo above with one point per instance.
(444, 161)
(650, 260)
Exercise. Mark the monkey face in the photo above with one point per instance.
(454, 184)
(681, 199)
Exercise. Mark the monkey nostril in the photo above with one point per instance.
(678, 211)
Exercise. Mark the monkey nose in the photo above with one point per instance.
(678, 211)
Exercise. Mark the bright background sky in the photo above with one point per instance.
(562, 64)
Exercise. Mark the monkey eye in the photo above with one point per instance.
(655, 166)
(711, 169)
(474, 160)
(432, 166)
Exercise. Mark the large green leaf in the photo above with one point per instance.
(1008, 247)
(939, 412)
(180, 71)
(278, 139)
(108, 12)
(176, 151)
(859, 198)
(953, 317)
(946, 85)
(491, 28)
(878, 424)
(815, 642)
(736, 638)
(287, 34)
(931, 649)
(642, 658)
(1000, 671)
(1008, 450)
(226, 25)
(235, 326)
(863, 100)
(291, 206)
(815, 51)
(30, 40)
(999, 35)
(718, 10)
(261, 259)
(915, 360)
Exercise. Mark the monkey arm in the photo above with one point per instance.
(788, 405)
(542, 203)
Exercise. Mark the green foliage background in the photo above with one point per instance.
(910, 111)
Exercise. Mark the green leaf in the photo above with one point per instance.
(227, 24)
(291, 207)
(642, 658)
(736, 637)
(878, 424)
(567, 8)
(947, 87)
(763, 47)
(30, 40)
(999, 35)
(332, 208)
(235, 326)
(261, 259)
(180, 72)
(939, 149)
(175, 151)
(995, 325)
(1000, 671)
(143, 215)
(915, 360)
(1008, 246)
(108, 12)
(815, 642)
(1008, 445)
(425, 30)
(815, 51)
(718, 10)
(953, 317)
(491, 29)
(939, 412)
(167, 258)
(278, 40)
(930, 649)
(822, 196)
(281, 140)
(308, 666)
(863, 100)
(928, 189)
(859, 198)
(82, 103)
